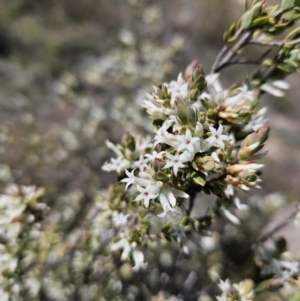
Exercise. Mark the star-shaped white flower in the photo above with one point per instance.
(155, 156)
(177, 88)
(216, 138)
(224, 285)
(119, 218)
(147, 194)
(187, 142)
(130, 178)
(176, 162)
(142, 163)
(117, 164)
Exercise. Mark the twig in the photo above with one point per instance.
(221, 54)
(222, 63)
(218, 58)
(277, 43)
(242, 62)
(280, 226)
(193, 195)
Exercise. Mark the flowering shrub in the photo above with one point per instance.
(149, 237)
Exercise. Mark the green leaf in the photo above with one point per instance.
(245, 5)
(295, 17)
(294, 34)
(267, 62)
(261, 21)
(291, 63)
(198, 178)
(246, 20)
(289, 16)
(256, 10)
(286, 4)
(270, 10)
(200, 181)
(250, 15)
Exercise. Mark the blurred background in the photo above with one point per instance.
(74, 73)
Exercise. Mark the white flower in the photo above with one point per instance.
(187, 142)
(244, 94)
(224, 285)
(177, 88)
(147, 194)
(256, 121)
(119, 218)
(119, 164)
(138, 258)
(141, 164)
(239, 205)
(230, 216)
(292, 266)
(216, 138)
(213, 83)
(275, 88)
(155, 156)
(177, 161)
(166, 204)
(114, 148)
(170, 193)
(163, 136)
(230, 192)
(143, 144)
(251, 167)
(144, 179)
(154, 110)
(124, 244)
(130, 178)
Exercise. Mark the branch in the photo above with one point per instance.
(280, 226)
(222, 63)
(219, 57)
(193, 195)
(221, 54)
(277, 43)
(244, 61)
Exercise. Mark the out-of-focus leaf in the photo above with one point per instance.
(286, 4)
(199, 178)
(294, 34)
(267, 62)
(271, 9)
(246, 20)
(245, 5)
(261, 21)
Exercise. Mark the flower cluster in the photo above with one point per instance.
(206, 139)
(130, 154)
(20, 213)
(242, 291)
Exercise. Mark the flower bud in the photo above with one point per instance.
(197, 80)
(162, 92)
(128, 142)
(186, 114)
(189, 69)
(253, 142)
(193, 95)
